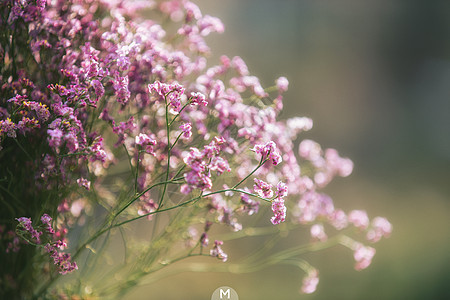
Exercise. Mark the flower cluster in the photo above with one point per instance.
(218, 252)
(54, 247)
(100, 107)
(202, 163)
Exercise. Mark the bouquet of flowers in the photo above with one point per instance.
(125, 150)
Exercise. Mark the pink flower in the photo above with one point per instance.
(363, 256)
(299, 124)
(262, 188)
(209, 24)
(359, 219)
(318, 232)
(8, 127)
(269, 151)
(146, 142)
(380, 227)
(120, 85)
(249, 206)
(172, 92)
(219, 164)
(47, 220)
(338, 219)
(282, 190)
(61, 260)
(83, 182)
(279, 211)
(98, 88)
(187, 130)
(26, 225)
(218, 252)
(310, 282)
(282, 84)
(198, 99)
(147, 206)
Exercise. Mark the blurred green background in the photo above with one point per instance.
(375, 78)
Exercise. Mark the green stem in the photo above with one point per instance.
(168, 153)
(262, 161)
(179, 113)
(23, 149)
(173, 145)
(145, 191)
(137, 174)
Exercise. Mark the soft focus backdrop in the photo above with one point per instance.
(375, 78)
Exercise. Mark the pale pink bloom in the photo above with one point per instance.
(337, 164)
(363, 256)
(146, 142)
(268, 150)
(310, 150)
(77, 207)
(279, 211)
(282, 84)
(380, 227)
(249, 206)
(147, 206)
(47, 221)
(359, 219)
(318, 232)
(262, 188)
(282, 190)
(299, 124)
(198, 99)
(310, 282)
(240, 66)
(83, 182)
(218, 252)
(187, 130)
(209, 24)
(338, 219)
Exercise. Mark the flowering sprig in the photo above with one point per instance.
(92, 91)
(54, 246)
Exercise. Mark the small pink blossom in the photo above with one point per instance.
(218, 252)
(209, 24)
(299, 124)
(282, 84)
(98, 88)
(363, 256)
(318, 232)
(187, 130)
(146, 142)
(282, 190)
(198, 99)
(47, 221)
(269, 151)
(83, 182)
(380, 227)
(338, 219)
(279, 211)
(310, 282)
(60, 259)
(26, 225)
(8, 127)
(172, 92)
(249, 206)
(262, 188)
(147, 206)
(359, 219)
